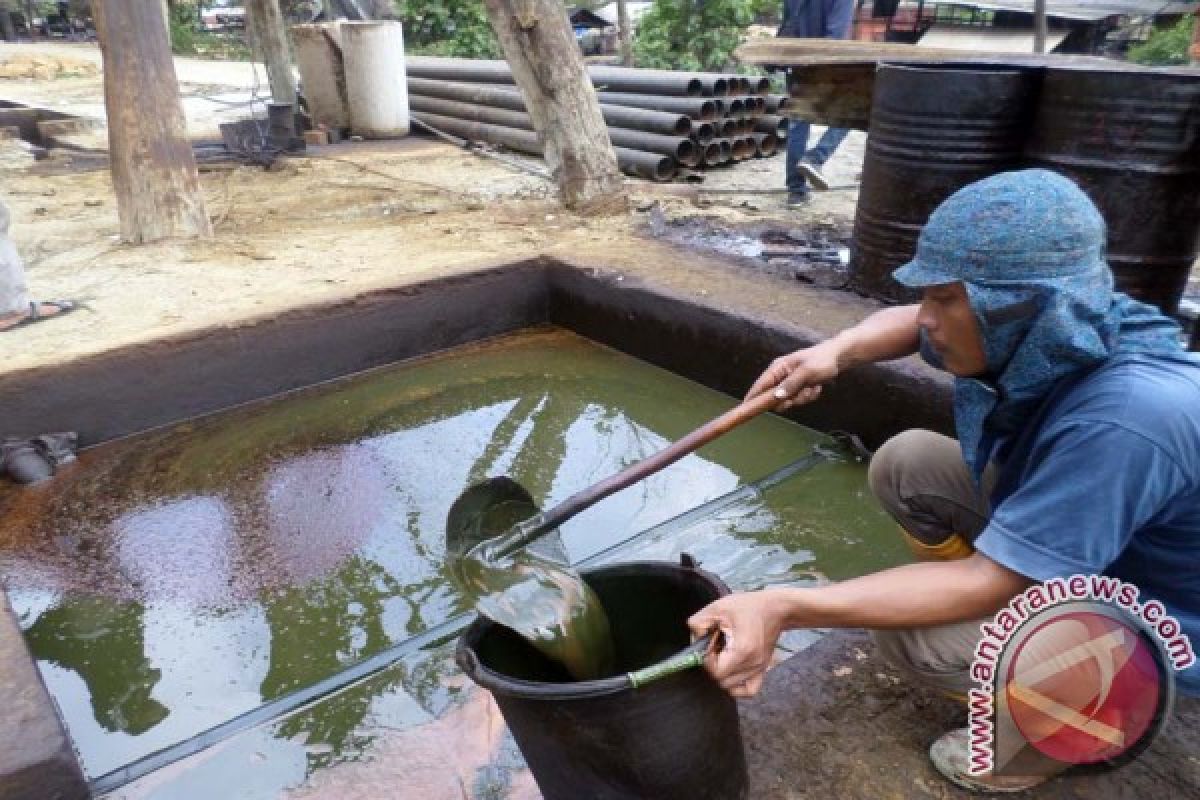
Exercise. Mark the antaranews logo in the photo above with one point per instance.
(1072, 671)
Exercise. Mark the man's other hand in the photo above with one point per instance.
(798, 377)
(750, 623)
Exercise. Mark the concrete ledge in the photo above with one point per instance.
(143, 386)
(724, 349)
(36, 760)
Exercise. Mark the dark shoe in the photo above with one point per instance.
(23, 462)
(35, 460)
(813, 173)
(798, 199)
(57, 448)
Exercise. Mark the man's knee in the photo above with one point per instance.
(906, 459)
(919, 478)
(900, 455)
(939, 656)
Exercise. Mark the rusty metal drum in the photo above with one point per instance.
(933, 130)
(1131, 140)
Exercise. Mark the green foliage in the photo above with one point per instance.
(435, 27)
(690, 35)
(187, 39)
(183, 27)
(221, 46)
(1166, 45)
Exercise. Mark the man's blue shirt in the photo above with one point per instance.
(1106, 479)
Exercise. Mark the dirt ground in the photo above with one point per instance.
(836, 721)
(340, 221)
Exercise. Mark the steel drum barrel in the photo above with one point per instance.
(933, 130)
(1131, 140)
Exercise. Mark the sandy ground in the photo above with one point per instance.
(344, 220)
(207, 87)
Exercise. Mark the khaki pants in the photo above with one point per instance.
(921, 479)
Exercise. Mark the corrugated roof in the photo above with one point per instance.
(635, 9)
(1085, 9)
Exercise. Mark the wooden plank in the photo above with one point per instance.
(788, 52)
(832, 81)
(832, 94)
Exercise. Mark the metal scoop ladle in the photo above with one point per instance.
(497, 517)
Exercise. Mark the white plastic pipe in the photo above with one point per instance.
(376, 84)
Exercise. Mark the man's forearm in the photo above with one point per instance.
(883, 336)
(911, 596)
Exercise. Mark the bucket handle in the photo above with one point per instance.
(690, 657)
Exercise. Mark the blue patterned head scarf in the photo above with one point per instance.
(1030, 248)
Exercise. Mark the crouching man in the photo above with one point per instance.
(1078, 453)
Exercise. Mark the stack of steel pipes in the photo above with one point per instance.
(658, 120)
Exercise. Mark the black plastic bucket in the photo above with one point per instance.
(675, 738)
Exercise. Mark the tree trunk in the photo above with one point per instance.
(7, 29)
(268, 37)
(625, 32)
(547, 65)
(153, 170)
(1039, 26)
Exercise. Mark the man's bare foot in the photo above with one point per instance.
(36, 313)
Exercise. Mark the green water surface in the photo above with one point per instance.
(173, 580)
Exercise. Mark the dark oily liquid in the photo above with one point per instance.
(516, 571)
(545, 602)
(223, 562)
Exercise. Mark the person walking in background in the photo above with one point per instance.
(812, 19)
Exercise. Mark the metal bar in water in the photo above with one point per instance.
(355, 674)
(704, 510)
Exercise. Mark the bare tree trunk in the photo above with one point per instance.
(625, 32)
(548, 65)
(153, 169)
(268, 34)
(7, 29)
(1039, 26)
